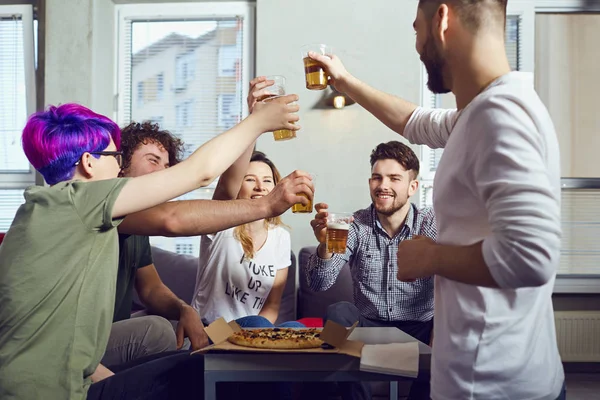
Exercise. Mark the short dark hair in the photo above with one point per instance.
(400, 152)
(135, 134)
(473, 13)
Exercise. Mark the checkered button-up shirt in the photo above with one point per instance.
(373, 261)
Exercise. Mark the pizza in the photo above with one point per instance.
(277, 338)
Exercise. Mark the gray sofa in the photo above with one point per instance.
(178, 272)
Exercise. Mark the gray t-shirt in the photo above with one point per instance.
(58, 267)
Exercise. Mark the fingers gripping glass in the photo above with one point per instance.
(118, 155)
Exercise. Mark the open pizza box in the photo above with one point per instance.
(333, 334)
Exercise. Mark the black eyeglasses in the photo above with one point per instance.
(116, 154)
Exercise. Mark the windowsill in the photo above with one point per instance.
(577, 284)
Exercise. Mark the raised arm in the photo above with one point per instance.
(207, 162)
(201, 217)
(419, 125)
(393, 111)
(231, 180)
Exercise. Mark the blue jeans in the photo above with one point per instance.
(563, 393)
(169, 375)
(257, 321)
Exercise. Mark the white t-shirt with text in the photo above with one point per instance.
(231, 286)
(498, 181)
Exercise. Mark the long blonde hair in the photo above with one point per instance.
(241, 232)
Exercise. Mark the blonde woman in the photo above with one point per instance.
(243, 270)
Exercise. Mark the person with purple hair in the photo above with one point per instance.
(59, 258)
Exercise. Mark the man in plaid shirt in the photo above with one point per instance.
(380, 299)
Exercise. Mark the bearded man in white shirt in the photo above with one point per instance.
(497, 206)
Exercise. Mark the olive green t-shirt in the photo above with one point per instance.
(134, 253)
(58, 267)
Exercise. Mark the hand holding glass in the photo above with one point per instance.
(316, 77)
(276, 89)
(282, 134)
(301, 208)
(338, 225)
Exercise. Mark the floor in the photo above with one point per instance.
(582, 386)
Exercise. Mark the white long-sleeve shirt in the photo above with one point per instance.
(498, 182)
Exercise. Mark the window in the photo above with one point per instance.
(157, 120)
(183, 114)
(228, 111)
(194, 61)
(185, 70)
(228, 60)
(17, 100)
(140, 93)
(185, 248)
(519, 37)
(566, 69)
(160, 86)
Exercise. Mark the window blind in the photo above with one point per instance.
(187, 74)
(17, 101)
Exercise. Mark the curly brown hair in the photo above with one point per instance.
(136, 134)
(400, 152)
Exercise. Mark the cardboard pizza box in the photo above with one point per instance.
(333, 334)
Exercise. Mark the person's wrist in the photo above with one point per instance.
(257, 124)
(265, 207)
(322, 252)
(434, 259)
(344, 82)
(185, 308)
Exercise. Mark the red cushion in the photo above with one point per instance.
(1, 237)
(312, 322)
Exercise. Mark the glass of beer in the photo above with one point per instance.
(316, 77)
(281, 134)
(337, 231)
(277, 89)
(301, 208)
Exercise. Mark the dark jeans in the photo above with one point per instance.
(346, 314)
(257, 321)
(170, 375)
(563, 393)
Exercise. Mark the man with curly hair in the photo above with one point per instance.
(146, 149)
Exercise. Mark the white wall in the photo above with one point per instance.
(376, 45)
(79, 52)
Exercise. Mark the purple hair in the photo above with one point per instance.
(55, 139)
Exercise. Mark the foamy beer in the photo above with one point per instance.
(316, 77)
(281, 134)
(337, 232)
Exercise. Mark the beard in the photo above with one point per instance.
(434, 64)
(390, 209)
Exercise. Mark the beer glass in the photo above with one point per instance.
(316, 77)
(337, 231)
(277, 89)
(281, 134)
(301, 208)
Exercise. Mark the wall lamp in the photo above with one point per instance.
(333, 98)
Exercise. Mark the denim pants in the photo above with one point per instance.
(257, 321)
(163, 376)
